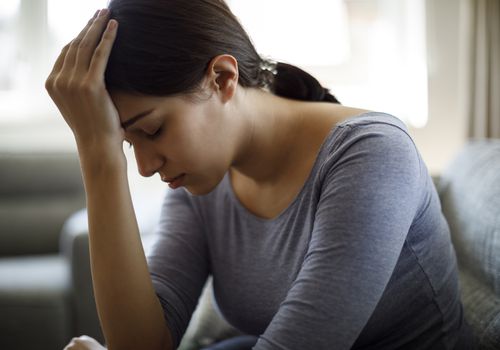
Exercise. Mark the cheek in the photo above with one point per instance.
(203, 137)
(208, 150)
(212, 158)
(199, 143)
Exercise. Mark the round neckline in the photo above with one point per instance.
(312, 172)
(248, 213)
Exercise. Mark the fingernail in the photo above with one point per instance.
(103, 12)
(112, 24)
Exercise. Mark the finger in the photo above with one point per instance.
(90, 41)
(59, 61)
(103, 50)
(69, 59)
(51, 79)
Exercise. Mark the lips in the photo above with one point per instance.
(171, 179)
(174, 182)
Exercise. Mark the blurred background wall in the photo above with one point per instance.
(406, 57)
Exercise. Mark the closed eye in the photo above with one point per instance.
(155, 134)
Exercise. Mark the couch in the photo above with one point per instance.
(38, 192)
(469, 190)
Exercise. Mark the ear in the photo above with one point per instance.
(222, 76)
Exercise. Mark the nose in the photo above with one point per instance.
(148, 162)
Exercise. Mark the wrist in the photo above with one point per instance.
(98, 158)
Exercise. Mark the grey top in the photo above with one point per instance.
(360, 259)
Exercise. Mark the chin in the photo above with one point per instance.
(202, 188)
(199, 191)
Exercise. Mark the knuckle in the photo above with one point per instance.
(49, 83)
(88, 88)
(73, 86)
(83, 44)
(75, 42)
(59, 84)
(98, 53)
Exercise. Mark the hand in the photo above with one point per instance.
(76, 85)
(84, 342)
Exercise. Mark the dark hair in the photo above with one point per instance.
(163, 47)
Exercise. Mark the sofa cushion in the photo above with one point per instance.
(35, 174)
(34, 303)
(469, 190)
(32, 225)
(482, 308)
(37, 193)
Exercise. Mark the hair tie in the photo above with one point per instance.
(268, 69)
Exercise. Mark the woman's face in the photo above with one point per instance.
(173, 136)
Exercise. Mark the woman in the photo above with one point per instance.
(319, 222)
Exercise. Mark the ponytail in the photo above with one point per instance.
(292, 82)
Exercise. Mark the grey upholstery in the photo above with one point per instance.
(34, 302)
(37, 194)
(75, 248)
(470, 195)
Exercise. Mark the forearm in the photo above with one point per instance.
(130, 313)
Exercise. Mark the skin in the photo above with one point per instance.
(250, 133)
(266, 142)
(233, 129)
(130, 314)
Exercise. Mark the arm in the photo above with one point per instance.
(366, 207)
(130, 313)
(179, 260)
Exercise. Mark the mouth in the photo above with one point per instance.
(175, 182)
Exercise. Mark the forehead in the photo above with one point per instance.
(130, 105)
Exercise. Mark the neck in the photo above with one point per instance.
(268, 125)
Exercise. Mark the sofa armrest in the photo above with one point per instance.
(74, 245)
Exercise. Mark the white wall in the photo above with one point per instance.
(438, 142)
(446, 131)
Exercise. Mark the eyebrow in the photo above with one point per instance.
(132, 120)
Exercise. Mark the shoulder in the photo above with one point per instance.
(375, 130)
(373, 142)
(365, 124)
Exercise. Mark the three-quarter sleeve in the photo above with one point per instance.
(368, 201)
(178, 261)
